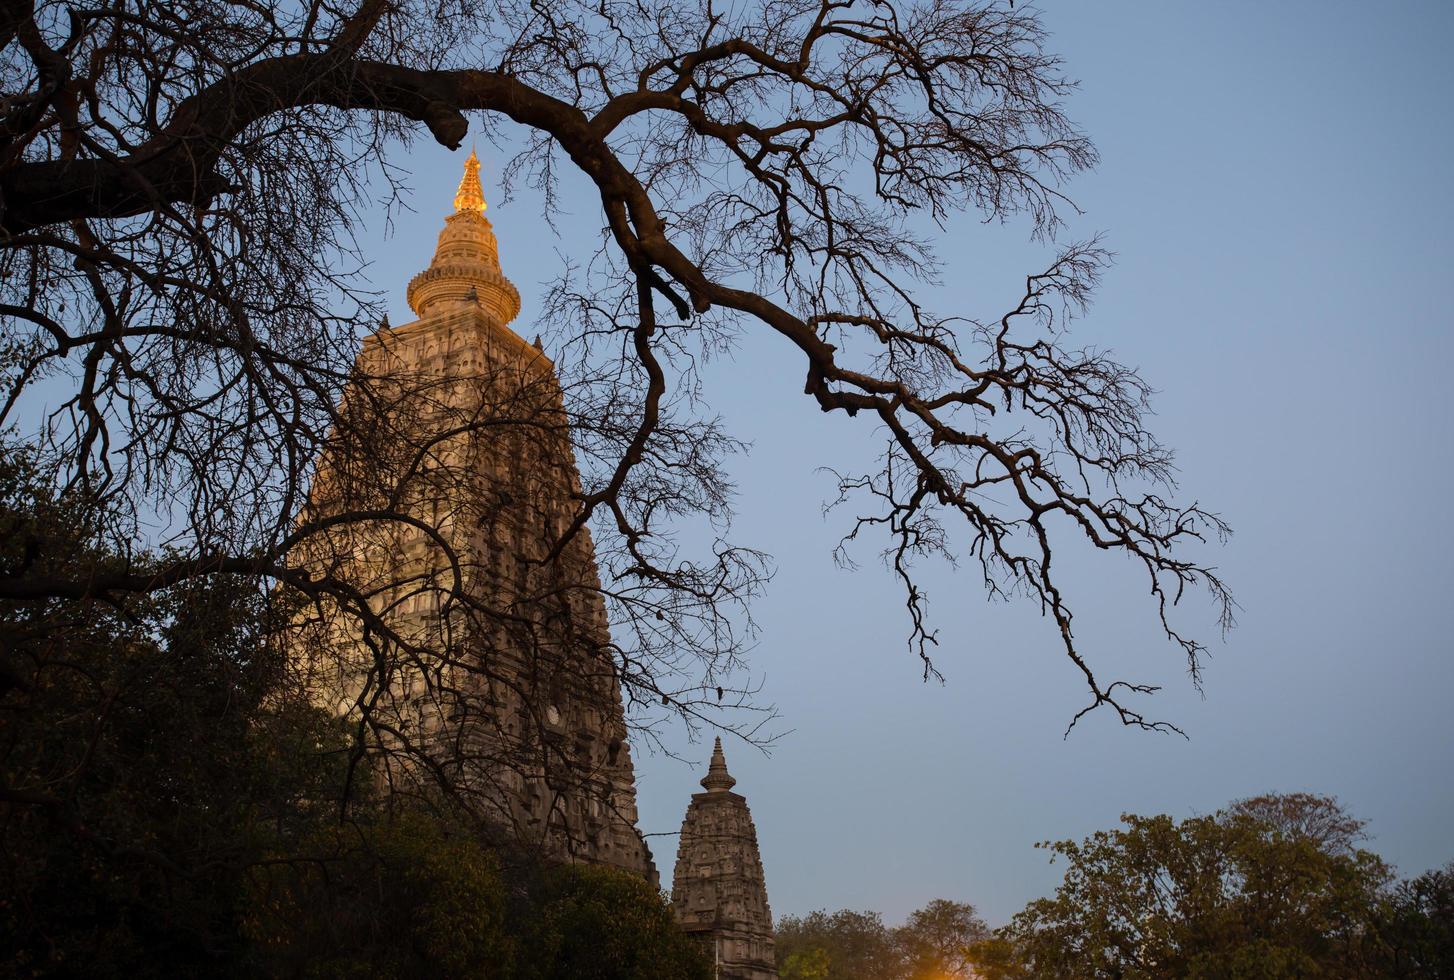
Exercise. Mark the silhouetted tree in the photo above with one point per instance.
(171, 805)
(180, 187)
(1416, 926)
(150, 755)
(599, 923)
(396, 900)
(406, 899)
(180, 183)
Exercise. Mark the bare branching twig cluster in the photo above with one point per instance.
(179, 186)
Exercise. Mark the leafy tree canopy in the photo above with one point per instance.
(1268, 888)
(169, 809)
(408, 899)
(932, 945)
(1416, 926)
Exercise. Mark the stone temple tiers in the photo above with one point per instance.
(718, 889)
(477, 654)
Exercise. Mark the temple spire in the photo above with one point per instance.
(466, 267)
(718, 891)
(470, 196)
(718, 778)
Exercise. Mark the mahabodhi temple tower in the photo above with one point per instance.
(718, 889)
(483, 663)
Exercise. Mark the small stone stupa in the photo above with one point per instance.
(718, 889)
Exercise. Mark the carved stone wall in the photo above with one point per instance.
(482, 663)
(718, 889)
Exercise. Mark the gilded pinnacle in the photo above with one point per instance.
(470, 196)
(466, 267)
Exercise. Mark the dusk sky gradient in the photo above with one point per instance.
(1276, 184)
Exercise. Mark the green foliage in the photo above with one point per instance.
(1226, 896)
(151, 775)
(999, 958)
(805, 964)
(1416, 925)
(853, 944)
(1271, 887)
(933, 944)
(596, 923)
(395, 900)
(936, 940)
(171, 809)
(138, 748)
(406, 898)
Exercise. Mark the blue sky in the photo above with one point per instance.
(1275, 183)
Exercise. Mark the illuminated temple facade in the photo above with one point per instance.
(483, 662)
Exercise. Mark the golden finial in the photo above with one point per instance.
(470, 196)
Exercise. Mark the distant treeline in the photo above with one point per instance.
(1268, 888)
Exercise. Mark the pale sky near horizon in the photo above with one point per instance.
(1275, 183)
